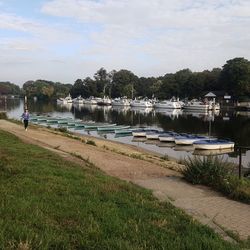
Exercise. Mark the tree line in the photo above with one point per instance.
(233, 78)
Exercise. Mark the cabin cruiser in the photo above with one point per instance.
(141, 103)
(91, 100)
(196, 105)
(123, 101)
(78, 100)
(105, 101)
(65, 100)
(168, 104)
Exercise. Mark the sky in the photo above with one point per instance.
(63, 40)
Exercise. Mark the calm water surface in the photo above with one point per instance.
(226, 124)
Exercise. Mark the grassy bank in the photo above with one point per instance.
(218, 174)
(49, 203)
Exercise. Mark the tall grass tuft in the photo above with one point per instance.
(207, 170)
(3, 115)
(219, 174)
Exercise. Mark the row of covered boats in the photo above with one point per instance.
(195, 105)
(198, 141)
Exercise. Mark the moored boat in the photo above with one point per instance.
(168, 104)
(188, 139)
(196, 105)
(213, 144)
(120, 102)
(141, 103)
(167, 136)
(112, 128)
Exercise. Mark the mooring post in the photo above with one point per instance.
(240, 159)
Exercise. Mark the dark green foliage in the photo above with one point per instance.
(43, 89)
(218, 174)
(3, 115)
(234, 78)
(49, 203)
(7, 88)
(90, 142)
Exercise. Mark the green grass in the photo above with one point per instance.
(49, 203)
(218, 174)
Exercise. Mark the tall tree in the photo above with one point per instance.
(235, 77)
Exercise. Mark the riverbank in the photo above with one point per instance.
(149, 171)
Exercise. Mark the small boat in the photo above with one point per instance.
(153, 135)
(213, 151)
(123, 131)
(112, 128)
(167, 136)
(143, 132)
(64, 120)
(188, 139)
(99, 125)
(42, 119)
(213, 144)
(52, 120)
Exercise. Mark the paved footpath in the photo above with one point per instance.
(206, 206)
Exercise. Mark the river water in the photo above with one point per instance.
(226, 124)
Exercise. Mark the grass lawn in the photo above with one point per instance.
(49, 203)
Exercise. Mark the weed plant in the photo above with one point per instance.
(219, 174)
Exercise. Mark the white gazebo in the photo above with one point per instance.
(210, 95)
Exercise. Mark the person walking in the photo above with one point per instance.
(25, 118)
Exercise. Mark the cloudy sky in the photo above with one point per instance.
(62, 40)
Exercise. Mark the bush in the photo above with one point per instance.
(3, 115)
(90, 142)
(208, 170)
(218, 174)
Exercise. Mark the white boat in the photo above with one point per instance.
(143, 132)
(168, 104)
(167, 136)
(196, 105)
(65, 100)
(213, 144)
(123, 101)
(152, 135)
(78, 100)
(105, 101)
(91, 100)
(141, 103)
(213, 151)
(188, 139)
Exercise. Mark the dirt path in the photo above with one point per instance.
(147, 170)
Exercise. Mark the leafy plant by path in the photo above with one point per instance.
(217, 173)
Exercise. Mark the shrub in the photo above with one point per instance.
(208, 170)
(3, 115)
(218, 174)
(90, 142)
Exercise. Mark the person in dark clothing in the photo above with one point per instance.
(25, 118)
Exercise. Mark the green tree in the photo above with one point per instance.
(235, 77)
(124, 83)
